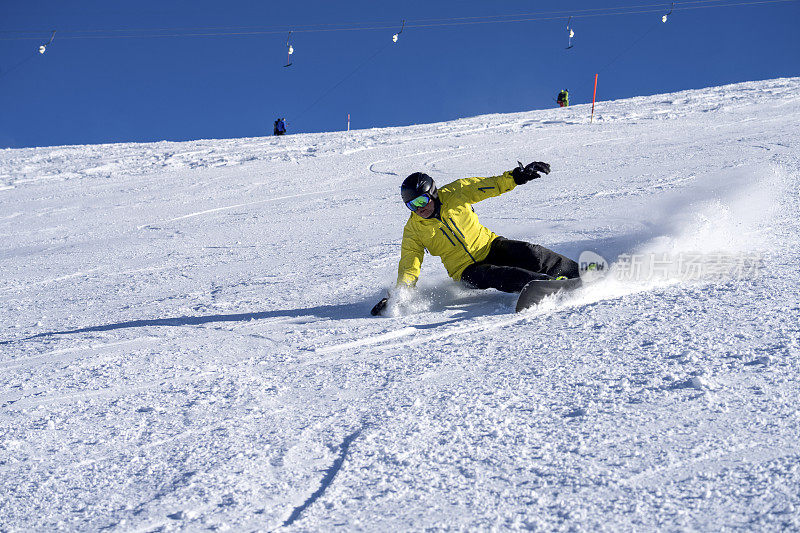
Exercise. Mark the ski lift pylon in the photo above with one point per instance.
(289, 50)
(397, 35)
(43, 48)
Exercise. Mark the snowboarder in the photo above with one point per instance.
(279, 128)
(563, 98)
(444, 224)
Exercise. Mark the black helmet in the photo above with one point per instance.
(416, 185)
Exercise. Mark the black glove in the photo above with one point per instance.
(379, 307)
(524, 174)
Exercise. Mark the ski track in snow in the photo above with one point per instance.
(48, 356)
(186, 341)
(228, 207)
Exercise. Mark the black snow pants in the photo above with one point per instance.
(510, 265)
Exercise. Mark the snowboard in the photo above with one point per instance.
(537, 290)
(379, 307)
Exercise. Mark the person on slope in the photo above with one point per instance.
(443, 223)
(279, 127)
(563, 98)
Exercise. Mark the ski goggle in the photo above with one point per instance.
(419, 201)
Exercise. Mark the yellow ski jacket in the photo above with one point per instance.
(455, 236)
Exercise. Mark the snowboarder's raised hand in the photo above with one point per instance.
(525, 173)
(379, 307)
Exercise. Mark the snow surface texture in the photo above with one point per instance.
(185, 339)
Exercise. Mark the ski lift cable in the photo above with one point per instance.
(289, 50)
(344, 79)
(667, 14)
(396, 36)
(637, 41)
(648, 11)
(43, 48)
(353, 25)
(626, 50)
(600, 11)
(197, 32)
(350, 24)
(570, 33)
(646, 33)
(40, 51)
(339, 29)
(131, 33)
(4, 73)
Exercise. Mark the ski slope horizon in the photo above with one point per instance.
(185, 339)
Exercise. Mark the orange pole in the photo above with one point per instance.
(594, 97)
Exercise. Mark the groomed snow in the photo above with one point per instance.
(185, 339)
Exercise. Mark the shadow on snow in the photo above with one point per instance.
(334, 312)
(471, 303)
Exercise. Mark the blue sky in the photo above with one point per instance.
(119, 89)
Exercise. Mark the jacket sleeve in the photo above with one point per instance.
(412, 252)
(472, 190)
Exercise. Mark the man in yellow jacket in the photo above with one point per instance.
(444, 224)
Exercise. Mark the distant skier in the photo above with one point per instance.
(563, 98)
(279, 128)
(444, 224)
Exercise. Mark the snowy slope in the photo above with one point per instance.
(185, 339)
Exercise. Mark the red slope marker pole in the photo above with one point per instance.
(594, 97)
